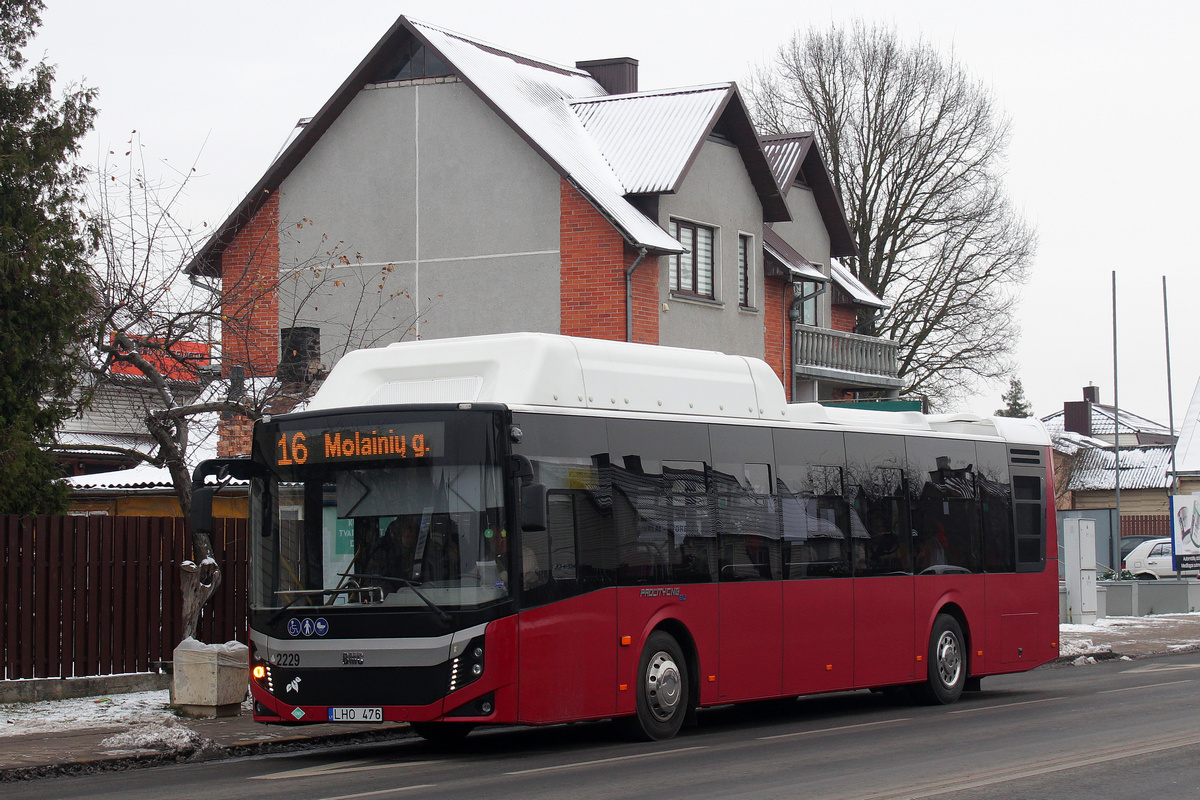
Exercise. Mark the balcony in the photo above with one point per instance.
(856, 361)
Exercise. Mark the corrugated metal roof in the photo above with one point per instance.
(1103, 422)
(143, 476)
(649, 138)
(785, 156)
(79, 441)
(1141, 468)
(853, 286)
(534, 97)
(800, 267)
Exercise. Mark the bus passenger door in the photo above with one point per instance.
(567, 645)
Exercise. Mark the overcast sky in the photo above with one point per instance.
(1102, 97)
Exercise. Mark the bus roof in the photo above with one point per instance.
(541, 369)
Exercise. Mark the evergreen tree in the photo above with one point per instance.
(44, 291)
(1015, 404)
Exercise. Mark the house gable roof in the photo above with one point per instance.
(548, 106)
(1104, 423)
(651, 139)
(791, 153)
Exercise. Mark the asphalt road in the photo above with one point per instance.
(1113, 730)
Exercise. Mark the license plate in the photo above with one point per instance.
(356, 715)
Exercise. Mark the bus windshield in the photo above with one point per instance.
(421, 533)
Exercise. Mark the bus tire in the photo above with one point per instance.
(947, 662)
(441, 732)
(662, 689)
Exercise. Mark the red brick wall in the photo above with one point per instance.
(250, 332)
(843, 318)
(594, 258)
(777, 296)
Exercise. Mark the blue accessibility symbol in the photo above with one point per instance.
(322, 626)
(307, 626)
(293, 627)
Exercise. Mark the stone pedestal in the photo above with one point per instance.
(210, 680)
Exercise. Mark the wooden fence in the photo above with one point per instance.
(100, 595)
(1145, 524)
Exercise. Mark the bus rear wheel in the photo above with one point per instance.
(663, 690)
(947, 661)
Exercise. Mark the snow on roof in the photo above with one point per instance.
(143, 476)
(853, 286)
(534, 96)
(1141, 468)
(1069, 443)
(1104, 422)
(649, 138)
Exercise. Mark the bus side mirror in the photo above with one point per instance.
(202, 513)
(533, 507)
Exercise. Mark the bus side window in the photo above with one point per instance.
(946, 514)
(995, 508)
(880, 525)
(746, 522)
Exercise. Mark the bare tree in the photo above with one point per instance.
(916, 149)
(154, 329)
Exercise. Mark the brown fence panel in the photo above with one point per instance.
(1146, 525)
(25, 608)
(101, 595)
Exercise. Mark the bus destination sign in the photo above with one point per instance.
(331, 445)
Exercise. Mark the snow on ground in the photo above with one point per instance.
(1079, 640)
(103, 711)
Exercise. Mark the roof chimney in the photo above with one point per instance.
(1092, 394)
(616, 75)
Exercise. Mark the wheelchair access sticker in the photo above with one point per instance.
(307, 626)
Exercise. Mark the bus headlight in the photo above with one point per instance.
(468, 667)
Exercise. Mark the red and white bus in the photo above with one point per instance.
(538, 529)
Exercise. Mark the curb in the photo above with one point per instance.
(207, 751)
(34, 690)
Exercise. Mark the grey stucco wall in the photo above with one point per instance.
(431, 198)
(716, 192)
(808, 235)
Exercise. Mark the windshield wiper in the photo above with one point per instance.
(299, 593)
(441, 612)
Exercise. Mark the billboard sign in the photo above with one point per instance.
(1185, 531)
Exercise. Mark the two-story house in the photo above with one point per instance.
(450, 187)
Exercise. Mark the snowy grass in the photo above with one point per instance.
(105, 711)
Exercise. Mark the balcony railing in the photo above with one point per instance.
(830, 354)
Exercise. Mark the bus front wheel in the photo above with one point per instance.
(947, 662)
(662, 689)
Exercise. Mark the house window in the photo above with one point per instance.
(692, 272)
(806, 292)
(744, 270)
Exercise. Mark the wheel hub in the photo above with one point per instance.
(948, 658)
(663, 685)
